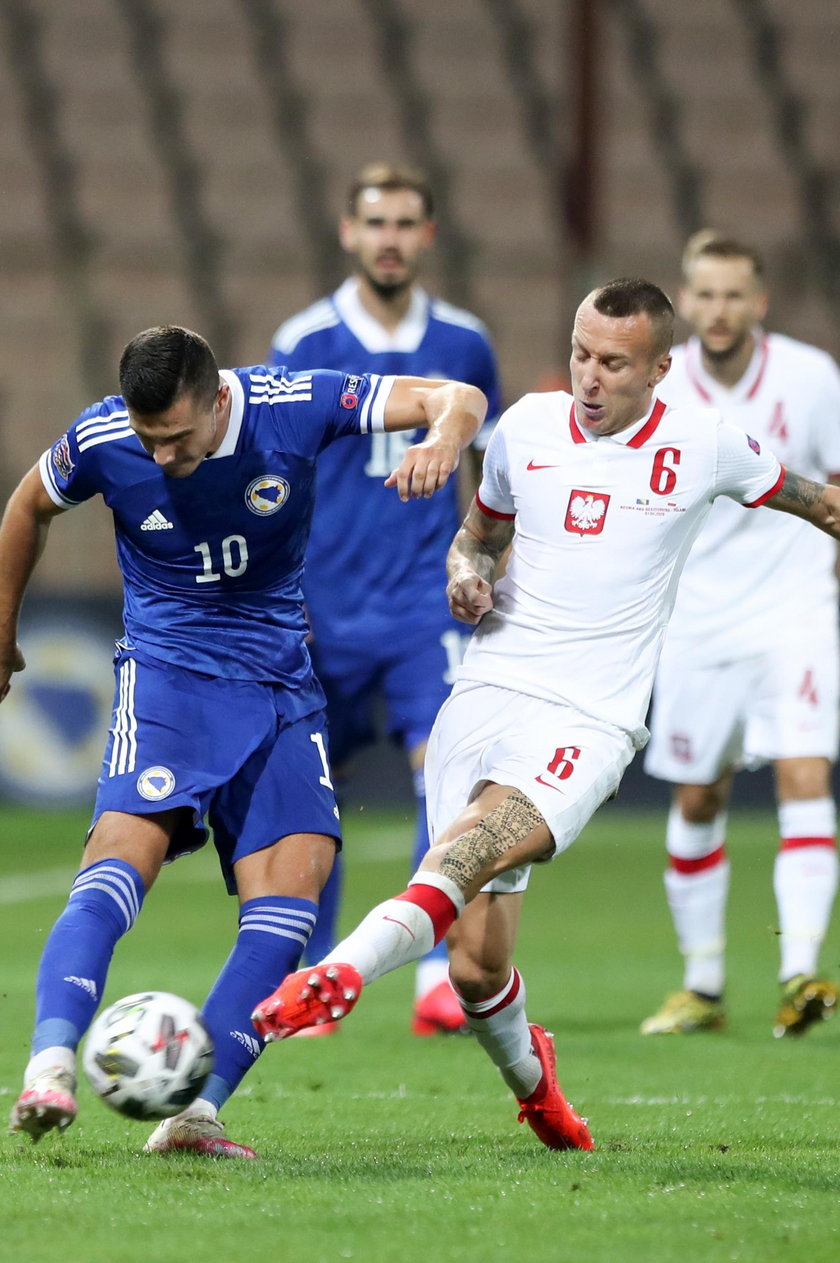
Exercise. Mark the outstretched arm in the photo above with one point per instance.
(451, 412)
(815, 502)
(23, 534)
(471, 563)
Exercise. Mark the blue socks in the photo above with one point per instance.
(273, 932)
(103, 904)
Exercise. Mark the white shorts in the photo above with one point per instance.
(565, 763)
(778, 705)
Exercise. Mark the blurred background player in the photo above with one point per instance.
(749, 672)
(375, 578)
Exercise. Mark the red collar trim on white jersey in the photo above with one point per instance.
(694, 378)
(577, 434)
(649, 426)
(637, 440)
(762, 368)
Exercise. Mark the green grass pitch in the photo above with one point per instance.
(380, 1147)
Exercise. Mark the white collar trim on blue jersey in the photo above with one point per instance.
(408, 334)
(237, 409)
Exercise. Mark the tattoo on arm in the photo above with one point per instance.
(480, 543)
(814, 502)
(488, 840)
(801, 492)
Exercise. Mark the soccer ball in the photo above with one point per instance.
(148, 1055)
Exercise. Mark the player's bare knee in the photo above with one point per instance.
(700, 804)
(474, 976)
(803, 778)
(477, 984)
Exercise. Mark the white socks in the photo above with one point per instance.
(697, 885)
(805, 882)
(501, 1027)
(698, 908)
(403, 929)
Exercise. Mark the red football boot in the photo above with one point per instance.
(438, 1012)
(546, 1110)
(310, 997)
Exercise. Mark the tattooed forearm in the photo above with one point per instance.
(796, 490)
(500, 829)
(816, 502)
(479, 545)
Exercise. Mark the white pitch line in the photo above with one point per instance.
(22, 887)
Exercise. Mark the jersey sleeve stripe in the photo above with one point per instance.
(51, 486)
(96, 424)
(122, 432)
(768, 495)
(372, 416)
(503, 517)
(445, 312)
(320, 316)
(269, 381)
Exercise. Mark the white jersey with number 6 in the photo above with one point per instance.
(602, 528)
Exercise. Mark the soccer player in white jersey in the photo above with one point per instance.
(749, 670)
(381, 626)
(599, 495)
(210, 480)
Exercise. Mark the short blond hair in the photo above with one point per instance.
(708, 243)
(393, 179)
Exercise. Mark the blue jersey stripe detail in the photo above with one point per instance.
(124, 751)
(58, 497)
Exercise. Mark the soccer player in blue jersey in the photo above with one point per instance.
(375, 577)
(210, 479)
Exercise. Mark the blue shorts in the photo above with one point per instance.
(250, 757)
(414, 676)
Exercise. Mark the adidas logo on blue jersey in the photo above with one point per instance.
(156, 522)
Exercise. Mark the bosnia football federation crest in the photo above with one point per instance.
(155, 783)
(267, 494)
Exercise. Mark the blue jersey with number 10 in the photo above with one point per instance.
(212, 563)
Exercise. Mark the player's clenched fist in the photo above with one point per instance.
(470, 597)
